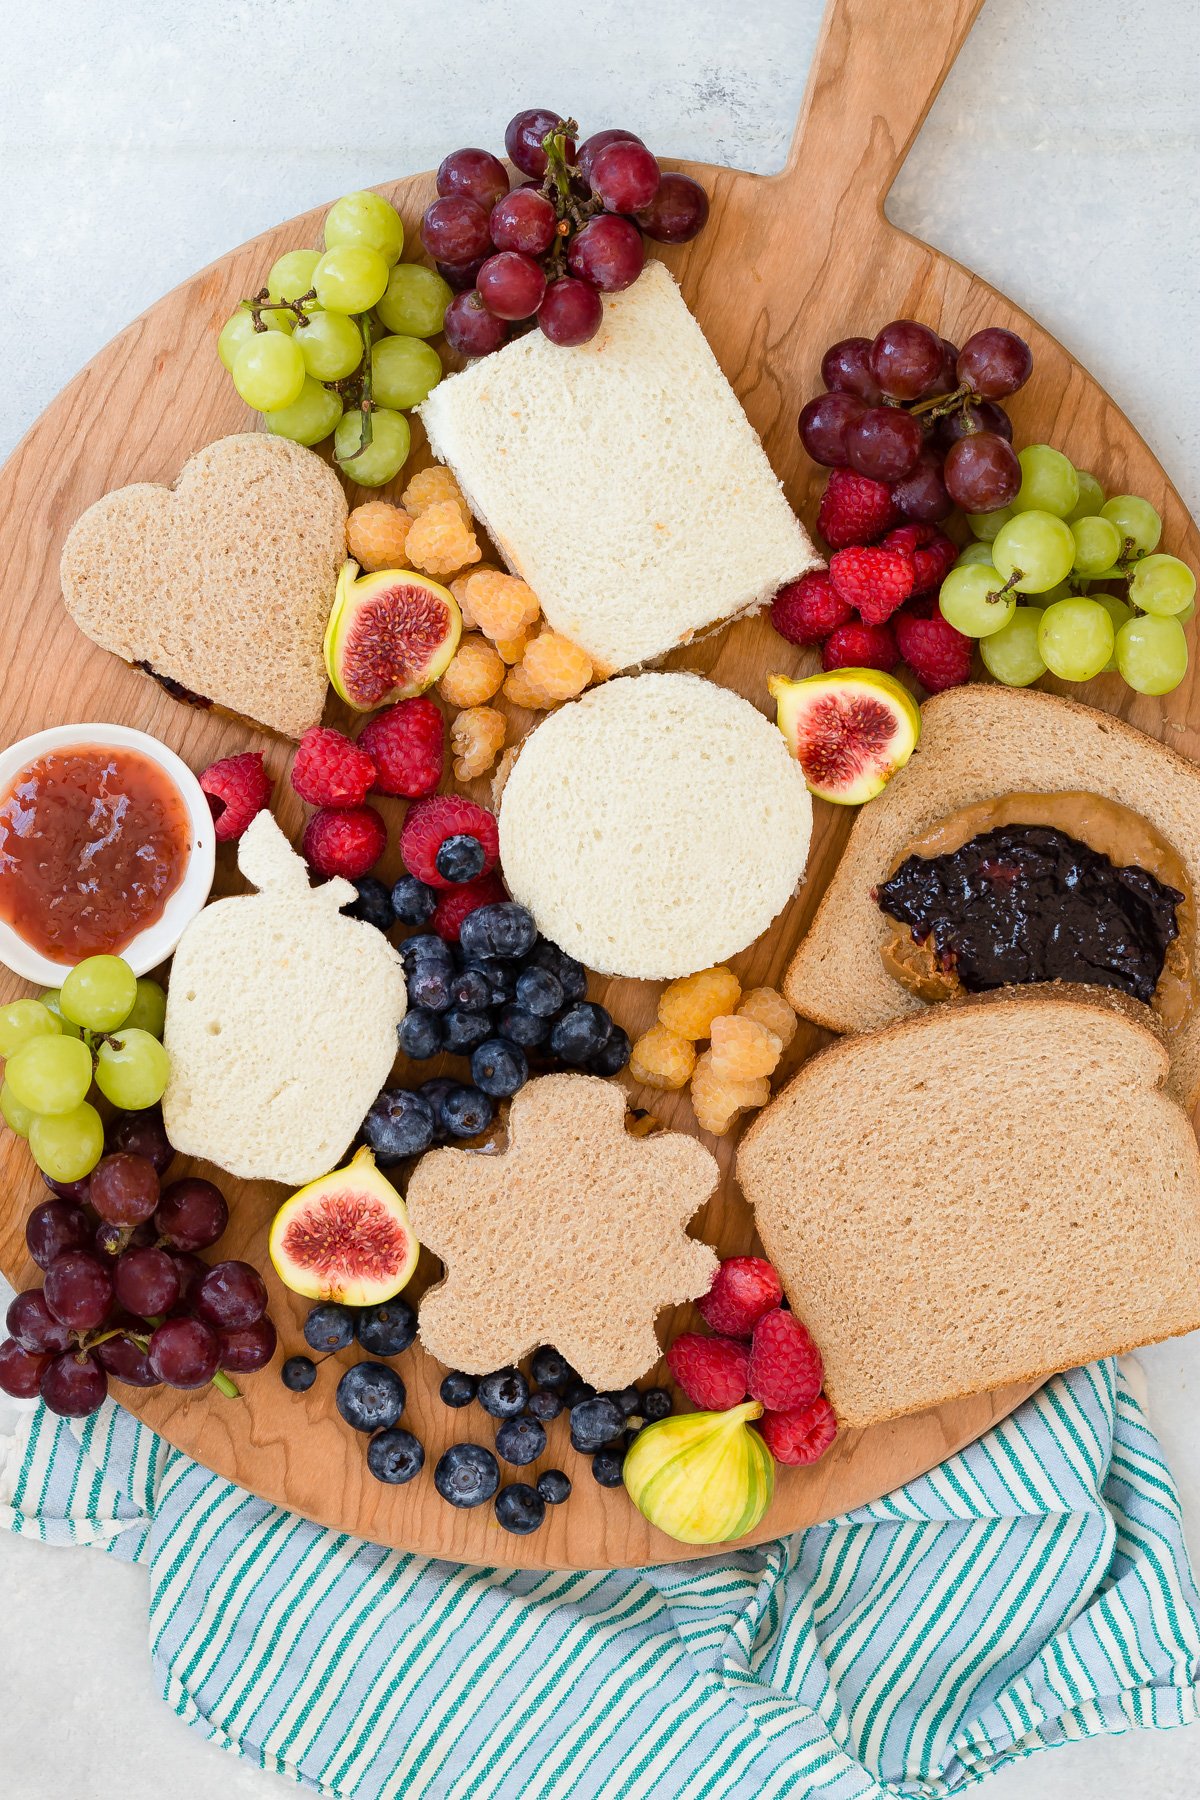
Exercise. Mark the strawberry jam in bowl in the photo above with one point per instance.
(106, 848)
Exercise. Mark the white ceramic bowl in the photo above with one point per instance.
(156, 942)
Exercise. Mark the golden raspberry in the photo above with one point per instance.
(474, 674)
(520, 690)
(556, 665)
(475, 739)
(439, 542)
(512, 649)
(742, 1049)
(690, 1004)
(431, 487)
(503, 605)
(717, 1103)
(458, 587)
(376, 535)
(662, 1059)
(768, 1007)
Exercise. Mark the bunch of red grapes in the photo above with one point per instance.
(909, 410)
(124, 1292)
(546, 250)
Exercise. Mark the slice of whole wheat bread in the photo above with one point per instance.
(976, 742)
(987, 1193)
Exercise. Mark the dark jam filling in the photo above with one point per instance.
(1028, 903)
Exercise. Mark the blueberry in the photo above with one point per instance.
(606, 1467)
(463, 1030)
(466, 1475)
(520, 1508)
(429, 984)
(465, 1112)
(615, 1054)
(504, 1393)
(370, 1396)
(400, 1124)
(504, 929)
(540, 992)
(521, 1440)
(554, 1487)
(571, 975)
(655, 1404)
(551, 1370)
(395, 1456)
(414, 902)
(374, 904)
(329, 1327)
(581, 1032)
(387, 1329)
(426, 946)
(457, 1389)
(595, 1422)
(299, 1373)
(576, 1391)
(471, 989)
(629, 1401)
(501, 977)
(420, 1034)
(460, 858)
(521, 1027)
(545, 1405)
(499, 1068)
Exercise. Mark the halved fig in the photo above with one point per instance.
(850, 730)
(390, 636)
(345, 1237)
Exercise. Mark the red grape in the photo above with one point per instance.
(600, 140)
(523, 137)
(947, 379)
(110, 1240)
(143, 1134)
(995, 362)
(455, 229)
(678, 211)
(512, 285)
(906, 358)
(124, 1188)
(823, 424)
(79, 1290)
(54, 1226)
(68, 1190)
(972, 416)
(191, 1214)
(470, 328)
(185, 1353)
(571, 312)
(191, 1270)
(245, 1348)
(981, 472)
(922, 495)
(146, 1282)
(523, 221)
(625, 176)
(20, 1370)
(884, 443)
(127, 1361)
(73, 1385)
(846, 369)
(608, 252)
(478, 174)
(31, 1323)
(231, 1294)
(460, 276)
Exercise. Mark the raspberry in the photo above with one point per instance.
(521, 691)
(875, 582)
(431, 487)
(662, 1059)
(474, 674)
(439, 542)
(503, 605)
(557, 666)
(802, 1434)
(405, 742)
(769, 1008)
(742, 1050)
(938, 655)
(453, 907)
(511, 650)
(933, 554)
(785, 1364)
(331, 771)
(476, 737)
(854, 509)
(857, 646)
(238, 787)
(743, 1289)
(376, 535)
(458, 587)
(428, 825)
(717, 1103)
(806, 611)
(690, 1004)
(347, 843)
(710, 1370)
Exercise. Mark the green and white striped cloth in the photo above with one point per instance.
(1032, 1590)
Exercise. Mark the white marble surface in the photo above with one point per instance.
(138, 142)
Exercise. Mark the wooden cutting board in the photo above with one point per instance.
(787, 265)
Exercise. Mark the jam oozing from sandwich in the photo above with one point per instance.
(1027, 903)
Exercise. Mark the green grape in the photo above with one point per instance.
(1118, 612)
(1012, 655)
(310, 418)
(149, 1010)
(1189, 612)
(268, 372)
(973, 601)
(367, 219)
(50, 1074)
(415, 301)
(99, 993)
(21, 1020)
(1038, 548)
(50, 1000)
(132, 1069)
(1059, 591)
(987, 525)
(1075, 638)
(67, 1146)
(1161, 585)
(1049, 483)
(383, 457)
(350, 279)
(292, 274)
(17, 1117)
(403, 371)
(1097, 546)
(331, 345)
(1152, 653)
(1091, 498)
(974, 553)
(239, 329)
(1135, 519)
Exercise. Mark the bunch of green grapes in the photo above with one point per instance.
(102, 1025)
(1027, 586)
(335, 341)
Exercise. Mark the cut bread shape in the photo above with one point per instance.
(281, 1021)
(573, 1236)
(979, 742)
(655, 826)
(223, 582)
(988, 1193)
(670, 520)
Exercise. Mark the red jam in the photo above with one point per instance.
(93, 843)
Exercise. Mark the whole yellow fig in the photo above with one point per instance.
(703, 1477)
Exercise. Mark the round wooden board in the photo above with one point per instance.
(787, 265)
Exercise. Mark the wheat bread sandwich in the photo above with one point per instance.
(986, 1193)
(572, 1236)
(655, 826)
(1069, 847)
(281, 1021)
(669, 520)
(222, 583)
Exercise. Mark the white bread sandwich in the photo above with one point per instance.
(281, 1021)
(222, 584)
(655, 826)
(985, 1194)
(992, 759)
(621, 478)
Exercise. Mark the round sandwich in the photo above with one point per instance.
(655, 827)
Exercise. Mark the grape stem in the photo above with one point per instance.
(572, 212)
(262, 302)
(1002, 593)
(224, 1386)
(366, 404)
(938, 405)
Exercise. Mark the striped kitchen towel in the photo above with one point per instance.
(1032, 1590)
